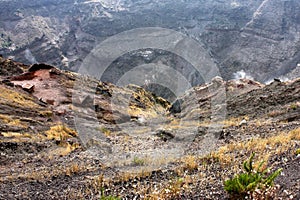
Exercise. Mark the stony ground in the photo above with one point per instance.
(64, 136)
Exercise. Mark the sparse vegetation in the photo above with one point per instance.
(253, 178)
(295, 134)
(60, 132)
(105, 131)
(73, 169)
(138, 161)
(190, 162)
(6, 42)
(16, 99)
(235, 121)
(109, 197)
(16, 135)
(264, 147)
(12, 122)
(297, 152)
(46, 113)
(63, 149)
(294, 106)
(45, 173)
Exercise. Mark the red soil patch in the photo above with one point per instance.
(46, 87)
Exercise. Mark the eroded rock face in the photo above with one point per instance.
(260, 37)
(242, 98)
(9, 68)
(111, 104)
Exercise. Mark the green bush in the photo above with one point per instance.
(252, 179)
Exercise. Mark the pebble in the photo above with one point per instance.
(286, 192)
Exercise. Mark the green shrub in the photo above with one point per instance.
(138, 161)
(252, 179)
(104, 197)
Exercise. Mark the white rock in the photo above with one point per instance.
(243, 122)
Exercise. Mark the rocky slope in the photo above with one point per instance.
(259, 36)
(65, 135)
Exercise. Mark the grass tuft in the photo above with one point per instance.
(60, 132)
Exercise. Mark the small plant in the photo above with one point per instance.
(138, 161)
(73, 169)
(297, 152)
(104, 197)
(105, 131)
(243, 184)
(295, 134)
(190, 162)
(294, 106)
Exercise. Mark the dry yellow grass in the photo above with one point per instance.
(63, 149)
(234, 121)
(16, 99)
(171, 188)
(22, 137)
(159, 160)
(5, 118)
(12, 122)
(105, 131)
(179, 124)
(144, 163)
(147, 113)
(16, 135)
(174, 122)
(151, 108)
(126, 176)
(295, 134)
(46, 113)
(260, 122)
(225, 156)
(73, 169)
(98, 182)
(264, 147)
(142, 130)
(60, 132)
(45, 173)
(190, 162)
